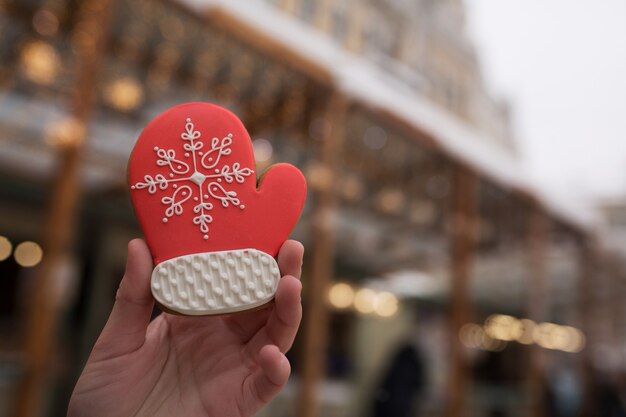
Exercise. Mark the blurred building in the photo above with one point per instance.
(422, 44)
(419, 221)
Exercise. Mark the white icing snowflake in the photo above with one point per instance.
(204, 170)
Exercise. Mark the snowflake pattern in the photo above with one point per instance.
(204, 170)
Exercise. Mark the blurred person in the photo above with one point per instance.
(226, 366)
(610, 400)
(563, 393)
(402, 383)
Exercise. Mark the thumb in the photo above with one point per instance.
(125, 331)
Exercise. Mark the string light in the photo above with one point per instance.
(385, 304)
(474, 336)
(576, 341)
(351, 188)
(5, 248)
(341, 295)
(364, 301)
(506, 328)
(28, 254)
(124, 94)
(528, 331)
(319, 176)
(503, 327)
(391, 201)
(40, 62)
(470, 334)
(65, 133)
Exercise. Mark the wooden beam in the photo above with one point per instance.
(44, 303)
(322, 264)
(587, 265)
(538, 245)
(266, 44)
(462, 246)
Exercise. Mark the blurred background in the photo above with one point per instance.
(465, 253)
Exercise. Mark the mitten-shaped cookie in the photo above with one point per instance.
(212, 231)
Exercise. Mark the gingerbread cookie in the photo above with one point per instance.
(213, 233)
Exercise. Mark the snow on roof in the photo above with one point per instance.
(364, 82)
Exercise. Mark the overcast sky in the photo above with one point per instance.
(562, 64)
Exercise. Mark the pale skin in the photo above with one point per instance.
(225, 366)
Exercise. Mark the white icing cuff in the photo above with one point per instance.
(216, 282)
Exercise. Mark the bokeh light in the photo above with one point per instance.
(40, 62)
(28, 254)
(125, 94)
(364, 301)
(5, 248)
(341, 295)
(385, 304)
(262, 150)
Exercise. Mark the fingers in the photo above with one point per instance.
(246, 325)
(125, 330)
(283, 321)
(290, 258)
(267, 381)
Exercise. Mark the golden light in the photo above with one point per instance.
(474, 336)
(125, 94)
(576, 340)
(385, 304)
(364, 300)
(5, 248)
(564, 338)
(28, 254)
(528, 329)
(341, 295)
(471, 335)
(492, 345)
(319, 176)
(545, 335)
(560, 337)
(262, 150)
(503, 327)
(40, 62)
(391, 201)
(65, 133)
(351, 188)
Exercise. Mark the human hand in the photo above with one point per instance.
(225, 366)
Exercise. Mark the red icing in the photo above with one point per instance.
(270, 212)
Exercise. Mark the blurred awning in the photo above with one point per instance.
(315, 54)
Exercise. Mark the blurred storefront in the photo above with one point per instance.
(421, 228)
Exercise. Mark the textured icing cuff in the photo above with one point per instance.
(216, 282)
